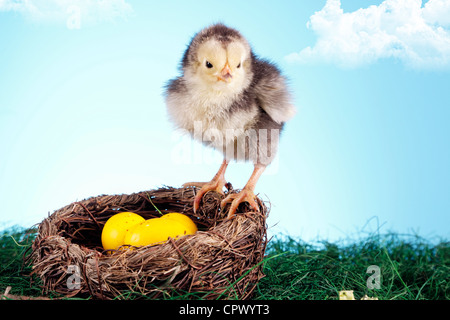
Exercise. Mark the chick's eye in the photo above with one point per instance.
(208, 65)
(239, 65)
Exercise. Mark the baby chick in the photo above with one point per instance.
(237, 101)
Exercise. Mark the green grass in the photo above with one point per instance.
(13, 244)
(411, 268)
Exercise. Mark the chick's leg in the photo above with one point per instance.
(246, 194)
(216, 184)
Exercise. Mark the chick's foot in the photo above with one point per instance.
(213, 185)
(245, 195)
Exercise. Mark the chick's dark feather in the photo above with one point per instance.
(219, 31)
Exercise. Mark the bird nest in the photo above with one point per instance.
(223, 260)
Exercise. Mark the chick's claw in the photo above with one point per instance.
(245, 195)
(214, 185)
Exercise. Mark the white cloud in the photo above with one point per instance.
(438, 12)
(418, 35)
(86, 11)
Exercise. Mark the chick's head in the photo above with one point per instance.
(218, 63)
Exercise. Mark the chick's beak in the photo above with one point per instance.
(225, 73)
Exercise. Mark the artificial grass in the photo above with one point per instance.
(411, 268)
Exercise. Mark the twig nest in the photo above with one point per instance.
(223, 260)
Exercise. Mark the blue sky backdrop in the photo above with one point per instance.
(82, 111)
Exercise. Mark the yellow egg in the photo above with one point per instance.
(184, 219)
(114, 230)
(154, 231)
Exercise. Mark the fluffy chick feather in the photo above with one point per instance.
(230, 94)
